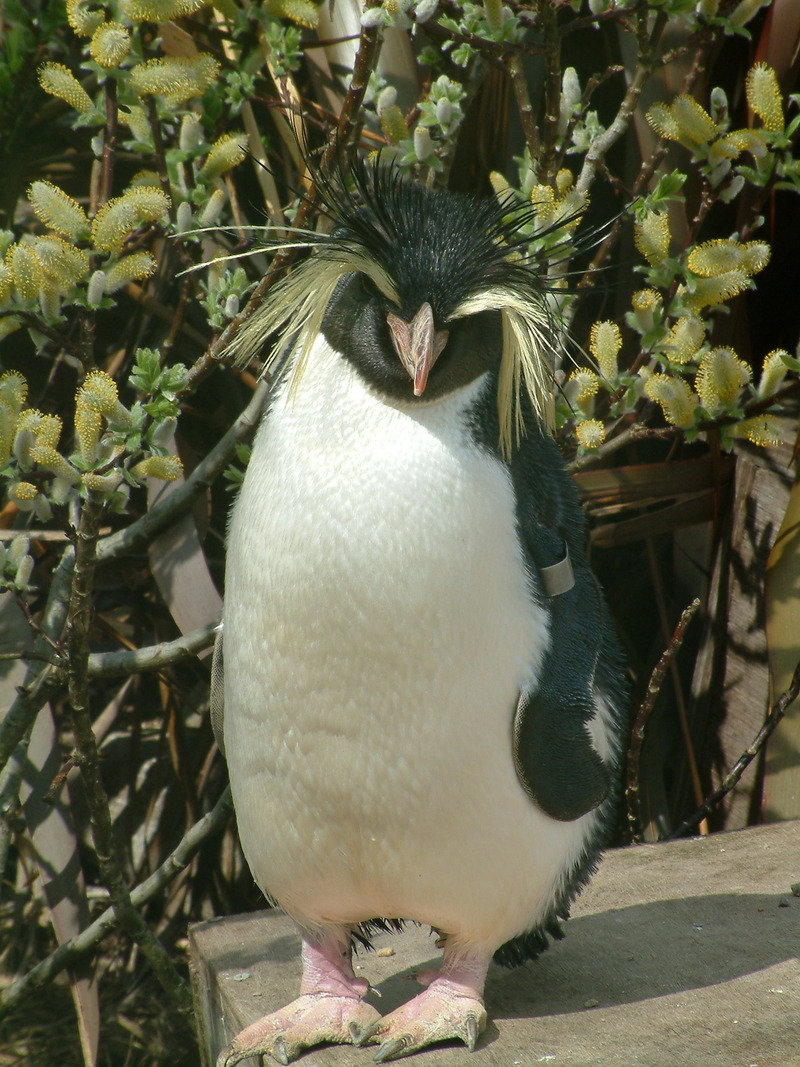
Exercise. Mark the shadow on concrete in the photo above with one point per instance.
(619, 956)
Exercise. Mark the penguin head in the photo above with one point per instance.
(421, 291)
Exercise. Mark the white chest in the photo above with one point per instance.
(378, 630)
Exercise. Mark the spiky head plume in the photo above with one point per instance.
(462, 255)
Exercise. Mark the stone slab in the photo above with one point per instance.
(682, 954)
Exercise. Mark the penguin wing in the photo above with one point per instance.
(555, 759)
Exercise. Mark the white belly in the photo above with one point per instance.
(378, 630)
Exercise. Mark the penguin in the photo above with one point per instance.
(424, 699)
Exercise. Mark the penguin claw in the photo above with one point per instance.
(280, 1051)
(393, 1049)
(361, 1035)
(472, 1029)
(310, 1020)
(432, 1016)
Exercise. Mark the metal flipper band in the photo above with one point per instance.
(559, 578)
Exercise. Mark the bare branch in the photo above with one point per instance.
(152, 658)
(645, 710)
(67, 953)
(76, 643)
(730, 780)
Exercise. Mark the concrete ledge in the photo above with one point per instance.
(677, 955)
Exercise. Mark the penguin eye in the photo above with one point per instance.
(367, 290)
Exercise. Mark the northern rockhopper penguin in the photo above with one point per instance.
(423, 696)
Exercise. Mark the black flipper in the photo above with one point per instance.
(553, 753)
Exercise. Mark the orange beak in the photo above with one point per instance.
(418, 344)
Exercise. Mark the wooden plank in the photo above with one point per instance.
(678, 954)
(782, 770)
(732, 673)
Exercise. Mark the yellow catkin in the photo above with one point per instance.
(764, 96)
(83, 20)
(661, 119)
(591, 433)
(176, 78)
(167, 468)
(674, 397)
(120, 216)
(773, 372)
(646, 300)
(145, 179)
(587, 384)
(645, 304)
(58, 210)
(51, 460)
(651, 236)
(135, 118)
(102, 483)
(130, 268)
(543, 199)
(762, 430)
(753, 141)
(48, 431)
(160, 10)
(755, 256)
(301, 12)
(684, 339)
(25, 269)
(99, 392)
(88, 424)
(6, 283)
(59, 81)
(564, 181)
(225, 154)
(720, 378)
(23, 492)
(13, 390)
(693, 121)
(712, 291)
(393, 124)
(62, 265)
(111, 43)
(715, 257)
(605, 341)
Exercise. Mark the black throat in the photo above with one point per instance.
(355, 326)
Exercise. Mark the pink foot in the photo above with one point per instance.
(451, 1007)
(330, 1008)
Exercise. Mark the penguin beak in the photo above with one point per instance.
(418, 344)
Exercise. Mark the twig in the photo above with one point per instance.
(519, 84)
(109, 140)
(643, 714)
(730, 780)
(601, 145)
(67, 953)
(679, 702)
(548, 17)
(76, 643)
(153, 657)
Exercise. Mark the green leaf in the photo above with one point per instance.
(790, 362)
